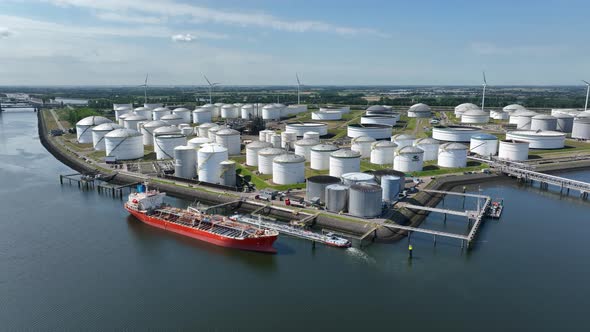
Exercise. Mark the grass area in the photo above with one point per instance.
(261, 181)
(431, 169)
(97, 155)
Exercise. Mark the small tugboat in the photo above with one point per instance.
(495, 209)
(148, 206)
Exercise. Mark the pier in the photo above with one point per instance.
(115, 190)
(83, 181)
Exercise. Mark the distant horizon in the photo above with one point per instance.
(295, 86)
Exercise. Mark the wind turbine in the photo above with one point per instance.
(483, 97)
(211, 86)
(587, 93)
(298, 89)
(145, 86)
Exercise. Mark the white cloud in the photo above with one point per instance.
(128, 18)
(5, 33)
(183, 38)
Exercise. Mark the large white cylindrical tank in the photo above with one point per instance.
(187, 131)
(513, 150)
(419, 111)
(164, 145)
(84, 127)
(430, 146)
(265, 157)
(389, 120)
(499, 115)
(288, 140)
(166, 130)
(293, 109)
(124, 144)
(247, 111)
(344, 161)
(357, 177)
(122, 110)
(484, 145)
(452, 155)
(539, 139)
(185, 162)
(229, 111)
(147, 130)
(513, 108)
(326, 115)
(565, 122)
(320, 156)
(227, 175)
(132, 121)
(408, 159)
(362, 144)
(336, 197)
(144, 111)
(210, 156)
(159, 112)
(217, 110)
(543, 122)
(288, 169)
(252, 151)
(522, 119)
(197, 142)
(333, 108)
(364, 200)
(403, 140)
(569, 111)
(461, 134)
(202, 115)
(203, 129)
(271, 112)
(475, 116)
(121, 120)
(311, 135)
(382, 152)
(462, 108)
(212, 132)
(303, 147)
(316, 186)
(122, 106)
(377, 131)
(275, 140)
(173, 119)
(152, 105)
(98, 133)
(229, 138)
(299, 128)
(581, 128)
(184, 113)
(264, 135)
(390, 185)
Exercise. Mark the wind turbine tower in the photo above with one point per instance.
(483, 97)
(145, 87)
(587, 93)
(211, 86)
(298, 89)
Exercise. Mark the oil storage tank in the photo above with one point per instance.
(184, 113)
(202, 115)
(513, 108)
(229, 111)
(565, 122)
(303, 147)
(203, 129)
(288, 169)
(299, 128)
(159, 112)
(124, 144)
(419, 111)
(384, 119)
(185, 162)
(271, 112)
(461, 134)
(121, 120)
(452, 155)
(475, 116)
(539, 139)
(344, 161)
(209, 158)
(288, 140)
(326, 115)
(227, 176)
(98, 133)
(146, 112)
(132, 121)
(122, 110)
(484, 145)
(462, 108)
(362, 144)
(430, 147)
(408, 159)
(247, 111)
(382, 152)
(172, 119)
(581, 128)
(364, 200)
(265, 158)
(543, 122)
(320, 156)
(377, 131)
(311, 135)
(84, 127)
(229, 138)
(390, 184)
(147, 131)
(316, 187)
(336, 198)
(381, 173)
(264, 135)
(513, 150)
(164, 145)
(252, 151)
(403, 140)
(357, 177)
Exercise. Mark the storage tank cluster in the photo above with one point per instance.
(316, 186)
(230, 139)
(408, 159)
(98, 133)
(513, 150)
(539, 139)
(499, 115)
(484, 145)
(288, 169)
(382, 152)
(377, 131)
(320, 156)
(362, 144)
(265, 158)
(84, 127)
(344, 161)
(203, 129)
(288, 140)
(124, 144)
(303, 147)
(452, 155)
(430, 147)
(419, 111)
(252, 151)
(147, 131)
(522, 119)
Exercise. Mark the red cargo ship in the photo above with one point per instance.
(149, 207)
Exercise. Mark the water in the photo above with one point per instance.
(75, 260)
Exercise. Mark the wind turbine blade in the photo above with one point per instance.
(484, 78)
(206, 79)
(297, 76)
(586, 82)
(146, 78)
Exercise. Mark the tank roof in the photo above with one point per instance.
(135, 117)
(324, 147)
(289, 158)
(154, 124)
(420, 107)
(306, 124)
(403, 136)
(456, 128)
(271, 151)
(366, 187)
(377, 108)
(484, 136)
(453, 146)
(181, 109)
(426, 140)
(227, 132)
(212, 148)
(258, 145)
(475, 112)
(410, 150)
(537, 133)
(544, 117)
(363, 139)
(514, 107)
(171, 117)
(384, 144)
(183, 147)
(123, 132)
(323, 179)
(93, 121)
(358, 176)
(142, 108)
(208, 125)
(345, 153)
(226, 106)
(337, 186)
(107, 127)
(200, 140)
(307, 142)
(161, 109)
(166, 130)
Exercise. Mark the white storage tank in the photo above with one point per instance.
(275, 140)
(152, 106)
(539, 139)
(303, 147)
(203, 129)
(288, 169)
(265, 157)
(362, 144)
(336, 198)
(229, 111)
(316, 186)
(452, 155)
(462, 108)
(565, 122)
(212, 132)
(288, 140)
(187, 131)
(247, 111)
(122, 106)
(326, 115)
(196, 143)
(210, 156)
(132, 121)
(185, 162)
(98, 133)
(217, 110)
(159, 112)
(430, 146)
(581, 128)
(461, 134)
(311, 135)
(229, 138)
(389, 120)
(122, 117)
(320, 156)
(184, 113)
(227, 176)
(172, 119)
(543, 122)
(513, 108)
(357, 177)
(484, 145)
(144, 111)
(499, 115)
(513, 150)
(84, 127)
(164, 145)
(334, 108)
(252, 151)
(522, 119)
(271, 112)
(124, 144)
(122, 110)
(344, 161)
(147, 130)
(364, 200)
(570, 111)
(408, 159)
(403, 140)
(382, 152)
(377, 131)
(264, 135)
(475, 116)
(419, 111)
(299, 128)
(390, 185)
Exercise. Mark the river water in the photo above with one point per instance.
(75, 260)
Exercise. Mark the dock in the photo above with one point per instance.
(115, 190)
(83, 181)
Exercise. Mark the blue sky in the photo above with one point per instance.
(115, 42)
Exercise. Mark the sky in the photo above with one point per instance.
(260, 42)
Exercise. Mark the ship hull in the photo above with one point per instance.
(260, 244)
